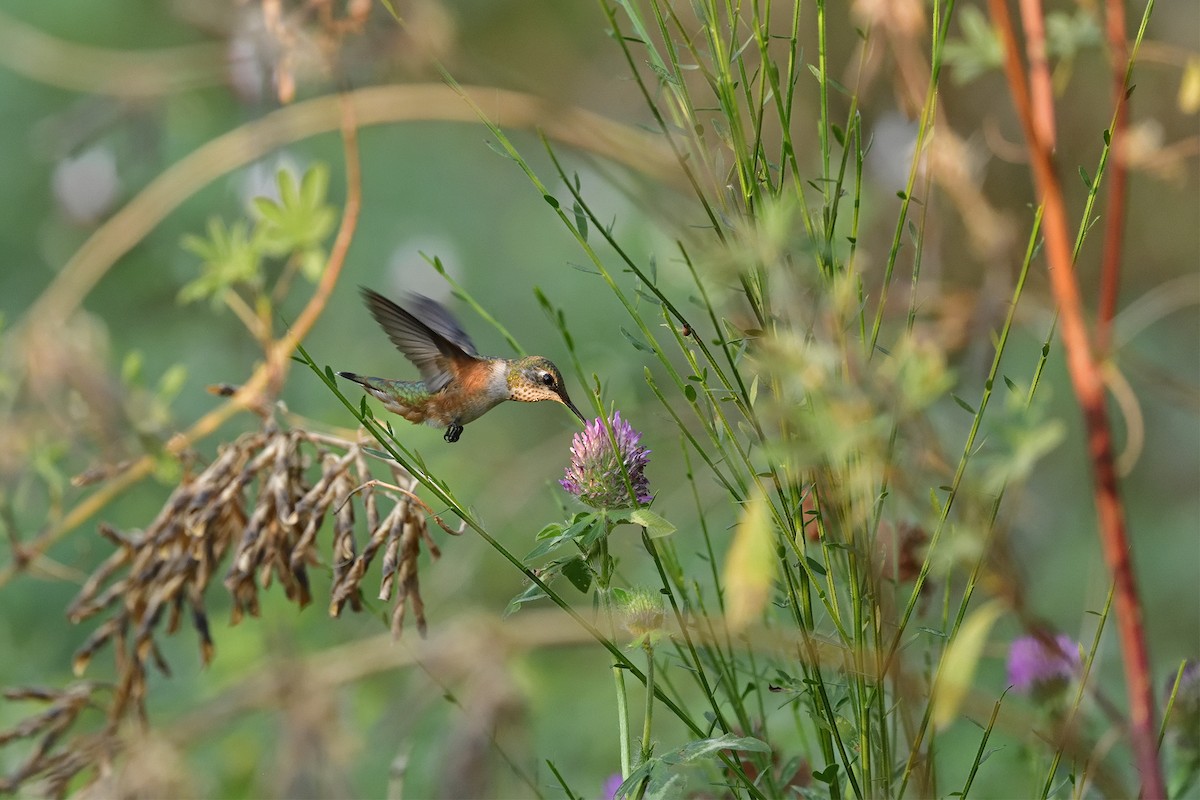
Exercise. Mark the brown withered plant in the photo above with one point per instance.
(259, 507)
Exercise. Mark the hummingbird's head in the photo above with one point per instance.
(536, 378)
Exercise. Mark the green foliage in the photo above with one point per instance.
(1023, 435)
(294, 228)
(978, 51)
(300, 221)
(664, 774)
(1069, 34)
(229, 257)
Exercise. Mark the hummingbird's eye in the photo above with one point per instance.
(547, 379)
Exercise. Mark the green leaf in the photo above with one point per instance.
(978, 51)
(131, 367)
(621, 596)
(532, 592)
(300, 221)
(313, 186)
(655, 525)
(705, 747)
(583, 524)
(578, 573)
(229, 258)
(268, 208)
(839, 87)
(592, 534)
(581, 223)
(636, 342)
(814, 565)
(689, 392)
(171, 382)
(312, 264)
(550, 531)
(750, 565)
(827, 775)
(286, 182)
(957, 670)
(662, 783)
(545, 548)
(551, 199)
(670, 789)
(963, 404)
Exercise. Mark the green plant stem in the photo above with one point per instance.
(982, 751)
(622, 718)
(603, 587)
(646, 748)
(647, 722)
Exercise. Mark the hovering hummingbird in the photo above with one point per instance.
(457, 384)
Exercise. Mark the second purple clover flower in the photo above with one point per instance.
(1041, 667)
(595, 474)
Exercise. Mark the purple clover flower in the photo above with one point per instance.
(595, 472)
(1037, 666)
(1185, 716)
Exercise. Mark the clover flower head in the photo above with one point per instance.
(1038, 666)
(1185, 716)
(595, 472)
(611, 784)
(642, 612)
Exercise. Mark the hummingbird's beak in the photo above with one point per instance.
(566, 401)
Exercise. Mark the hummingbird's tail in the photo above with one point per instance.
(350, 376)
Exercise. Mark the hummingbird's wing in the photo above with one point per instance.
(433, 342)
(440, 321)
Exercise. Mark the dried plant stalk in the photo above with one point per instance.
(259, 507)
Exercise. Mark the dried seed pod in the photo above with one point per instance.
(257, 511)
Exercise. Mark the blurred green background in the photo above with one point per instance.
(70, 158)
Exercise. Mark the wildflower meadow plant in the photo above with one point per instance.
(608, 473)
(1042, 667)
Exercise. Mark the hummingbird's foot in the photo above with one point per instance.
(453, 432)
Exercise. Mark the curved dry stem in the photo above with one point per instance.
(375, 106)
(1135, 421)
(31, 52)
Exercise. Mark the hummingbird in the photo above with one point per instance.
(457, 384)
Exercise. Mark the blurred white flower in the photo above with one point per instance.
(893, 141)
(86, 186)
